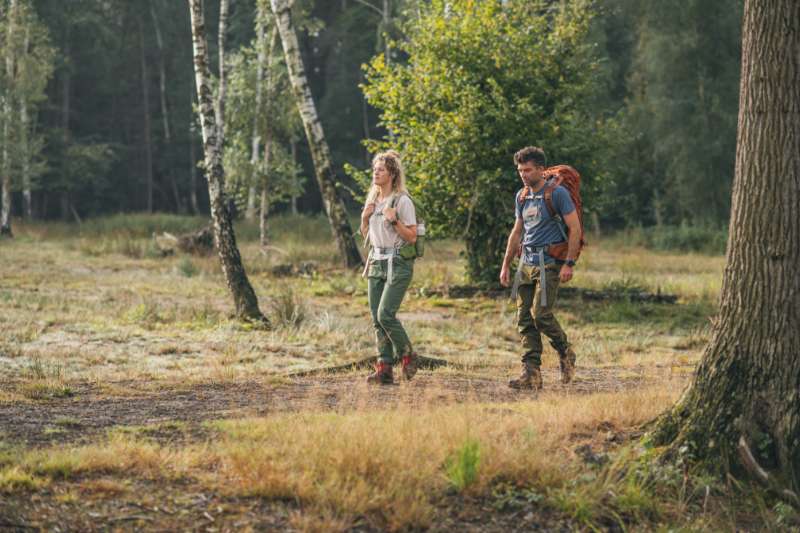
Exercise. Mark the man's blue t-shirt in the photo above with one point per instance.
(540, 228)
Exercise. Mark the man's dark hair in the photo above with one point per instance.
(532, 154)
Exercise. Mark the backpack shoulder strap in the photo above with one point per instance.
(548, 199)
(396, 198)
(523, 194)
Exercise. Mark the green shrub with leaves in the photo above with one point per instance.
(481, 80)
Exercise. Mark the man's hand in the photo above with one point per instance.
(566, 273)
(505, 276)
(390, 213)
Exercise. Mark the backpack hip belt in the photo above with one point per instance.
(539, 251)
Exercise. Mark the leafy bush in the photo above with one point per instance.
(482, 80)
(683, 238)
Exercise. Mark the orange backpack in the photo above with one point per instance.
(567, 177)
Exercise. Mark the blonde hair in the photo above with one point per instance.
(391, 160)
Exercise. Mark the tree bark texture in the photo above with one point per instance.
(8, 105)
(224, 6)
(320, 153)
(193, 163)
(245, 300)
(748, 382)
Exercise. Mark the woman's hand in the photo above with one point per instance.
(367, 211)
(389, 214)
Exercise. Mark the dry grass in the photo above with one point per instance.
(102, 308)
(390, 466)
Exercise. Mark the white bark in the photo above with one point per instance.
(244, 297)
(256, 142)
(224, 6)
(320, 153)
(268, 139)
(8, 102)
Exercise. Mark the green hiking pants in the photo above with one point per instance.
(384, 301)
(533, 318)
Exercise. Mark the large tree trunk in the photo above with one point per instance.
(148, 144)
(747, 385)
(8, 103)
(244, 297)
(320, 153)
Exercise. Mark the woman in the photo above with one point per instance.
(390, 221)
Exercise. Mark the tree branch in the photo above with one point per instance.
(367, 4)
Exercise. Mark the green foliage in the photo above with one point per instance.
(25, 43)
(482, 80)
(675, 157)
(276, 119)
(705, 239)
(462, 466)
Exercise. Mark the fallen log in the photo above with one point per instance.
(423, 363)
(200, 242)
(470, 291)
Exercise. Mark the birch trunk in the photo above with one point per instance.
(320, 153)
(250, 214)
(26, 159)
(223, 78)
(747, 385)
(25, 133)
(193, 163)
(263, 225)
(295, 184)
(245, 300)
(8, 103)
(148, 147)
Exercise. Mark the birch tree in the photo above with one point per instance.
(244, 297)
(8, 103)
(743, 406)
(320, 152)
(29, 60)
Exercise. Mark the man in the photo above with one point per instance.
(540, 274)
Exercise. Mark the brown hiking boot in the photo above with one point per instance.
(382, 375)
(567, 361)
(530, 378)
(409, 366)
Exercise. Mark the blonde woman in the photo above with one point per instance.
(390, 221)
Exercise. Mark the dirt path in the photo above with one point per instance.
(179, 413)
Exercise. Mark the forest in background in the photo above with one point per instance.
(116, 114)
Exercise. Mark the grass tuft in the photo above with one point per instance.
(462, 466)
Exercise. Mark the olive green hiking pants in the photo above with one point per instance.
(384, 301)
(533, 318)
